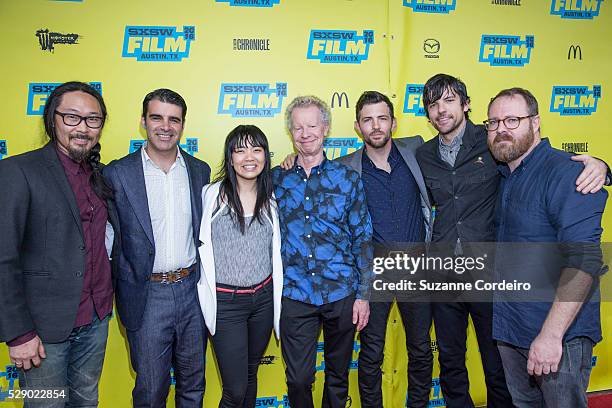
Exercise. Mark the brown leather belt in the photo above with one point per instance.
(237, 289)
(171, 277)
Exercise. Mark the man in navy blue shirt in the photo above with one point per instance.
(326, 232)
(399, 207)
(546, 347)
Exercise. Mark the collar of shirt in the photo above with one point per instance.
(455, 143)
(536, 152)
(69, 165)
(147, 161)
(393, 159)
(319, 167)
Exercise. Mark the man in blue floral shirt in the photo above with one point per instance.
(327, 256)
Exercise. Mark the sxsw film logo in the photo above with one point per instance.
(435, 395)
(576, 9)
(251, 100)
(38, 92)
(412, 100)
(339, 46)
(190, 145)
(506, 50)
(8, 378)
(335, 147)
(157, 43)
(280, 402)
(3, 149)
(250, 3)
(47, 39)
(575, 100)
(431, 6)
(321, 356)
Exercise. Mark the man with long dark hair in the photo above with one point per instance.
(55, 275)
(462, 178)
(158, 195)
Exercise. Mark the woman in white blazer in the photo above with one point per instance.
(241, 282)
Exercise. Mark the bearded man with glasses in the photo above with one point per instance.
(546, 344)
(56, 290)
(462, 180)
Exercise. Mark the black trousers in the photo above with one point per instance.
(244, 324)
(300, 326)
(451, 320)
(417, 318)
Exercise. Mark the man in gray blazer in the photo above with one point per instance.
(399, 208)
(56, 288)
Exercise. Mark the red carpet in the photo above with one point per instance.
(601, 399)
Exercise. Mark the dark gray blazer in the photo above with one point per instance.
(42, 250)
(134, 261)
(407, 147)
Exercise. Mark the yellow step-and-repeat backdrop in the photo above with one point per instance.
(241, 61)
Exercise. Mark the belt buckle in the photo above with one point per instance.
(176, 276)
(171, 277)
(165, 278)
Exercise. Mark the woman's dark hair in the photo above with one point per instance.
(97, 181)
(240, 137)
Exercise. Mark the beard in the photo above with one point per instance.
(78, 153)
(509, 152)
(377, 143)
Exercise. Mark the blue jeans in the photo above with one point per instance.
(75, 364)
(564, 389)
(172, 335)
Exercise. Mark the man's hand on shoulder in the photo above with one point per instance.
(593, 177)
(28, 354)
(287, 164)
(361, 313)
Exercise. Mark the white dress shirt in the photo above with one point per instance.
(169, 199)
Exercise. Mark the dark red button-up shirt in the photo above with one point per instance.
(97, 284)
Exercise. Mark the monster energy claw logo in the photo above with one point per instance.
(47, 39)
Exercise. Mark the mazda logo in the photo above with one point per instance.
(431, 46)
